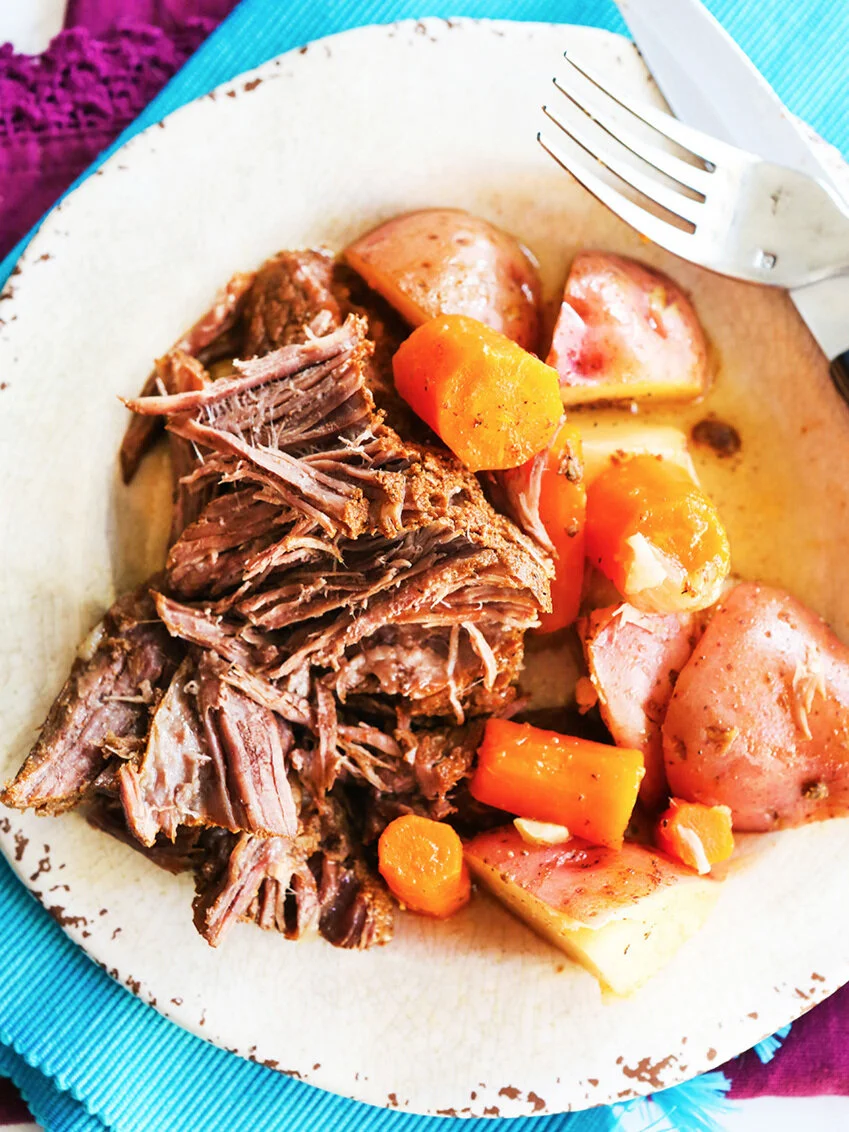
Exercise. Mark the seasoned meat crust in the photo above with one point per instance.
(290, 301)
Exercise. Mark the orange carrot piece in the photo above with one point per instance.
(494, 404)
(588, 787)
(655, 534)
(422, 863)
(553, 485)
(697, 835)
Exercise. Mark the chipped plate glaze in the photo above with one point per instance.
(475, 1016)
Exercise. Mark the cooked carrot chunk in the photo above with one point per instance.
(549, 498)
(655, 534)
(588, 787)
(422, 863)
(697, 835)
(494, 404)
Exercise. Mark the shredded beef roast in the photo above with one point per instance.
(406, 582)
(386, 331)
(103, 711)
(200, 341)
(213, 757)
(340, 609)
(187, 852)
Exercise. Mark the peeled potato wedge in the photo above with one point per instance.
(626, 332)
(446, 261)
(605, 440)
(621, 915)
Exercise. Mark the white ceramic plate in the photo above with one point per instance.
(475, 1015)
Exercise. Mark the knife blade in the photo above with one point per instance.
(709, 82)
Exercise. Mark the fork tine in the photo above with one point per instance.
(685, 174)
(709, 149)
(678, 204)
(658, 231)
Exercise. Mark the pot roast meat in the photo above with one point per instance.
(339, 607)
(179, 372)
(213, 757)
(292, 908)
(286, 301)
(408, 540)
(355, 909)
(203, 626)
(218, 320)
(442, 759)
(386, 330)
(296, 290)
(298, 423)
(320, 764)
(256, 745)
(229, 896)
(427, 777)
(186, 853)
(290, 300)
(170, 786)
(270, 881)
(102, 711)
(236, 536)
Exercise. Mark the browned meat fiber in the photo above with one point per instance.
(339, 610)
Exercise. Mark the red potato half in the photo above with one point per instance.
(625, 333)
(634, 659)
(759, 719)
(446, 261)
(622, 915)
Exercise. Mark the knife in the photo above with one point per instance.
(709, 82)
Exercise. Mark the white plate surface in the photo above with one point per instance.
(474, 1016)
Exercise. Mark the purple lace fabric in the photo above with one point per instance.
(60, 109)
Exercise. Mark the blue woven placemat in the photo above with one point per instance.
(85, 1053)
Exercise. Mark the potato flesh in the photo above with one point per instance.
(604, 440)
(622, 933)
(624, 954)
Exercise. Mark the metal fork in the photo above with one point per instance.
(715, 205)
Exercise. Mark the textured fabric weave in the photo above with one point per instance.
(813, 1060)
(59, 110)
(85, 1053)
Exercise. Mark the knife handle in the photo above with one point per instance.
(840, 374)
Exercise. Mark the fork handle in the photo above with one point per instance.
(840, 374)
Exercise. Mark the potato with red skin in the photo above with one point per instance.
(622, 915)
(625, 332)
(759, 719)
(634, 659)
(446, 261)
